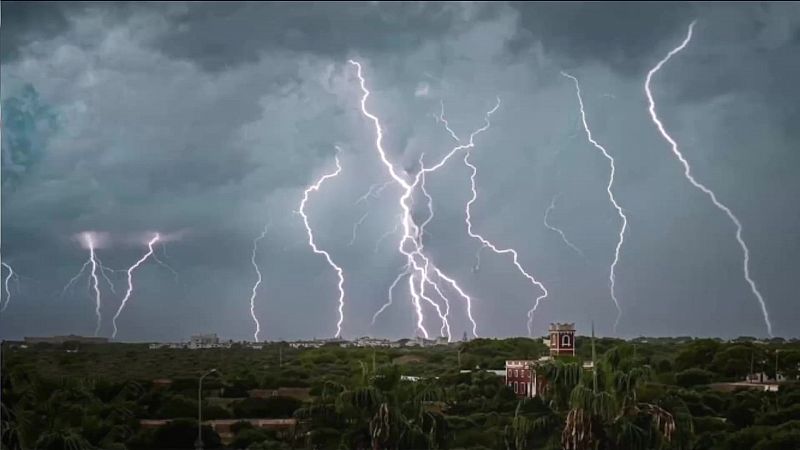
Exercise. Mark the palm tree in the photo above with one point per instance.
(381, 412)
(601, 409)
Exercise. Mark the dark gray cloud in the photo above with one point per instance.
(221, 35)
(207, 120)
(622, 35)
(28, 21)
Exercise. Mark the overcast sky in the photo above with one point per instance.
(205, 121)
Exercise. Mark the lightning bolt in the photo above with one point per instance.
(558, 230)
(419, 264)
(468, 213)
(445, 330)
(93, 262)
(355, 228)
(130, 270)
(688, 174)
(340, 273)
(103, 272)
(75, 278)
(441, 119)
(406, 271)
(612, 271)
(11, 275)
(258, 281)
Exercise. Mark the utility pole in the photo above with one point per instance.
(1, 393)
(594, 357)
(198, 444)
(777, 350)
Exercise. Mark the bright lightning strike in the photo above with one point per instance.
(88, 241)
(485, 242)
(611, 198)
(258, 281)
(688, 174)
(130, 270)
(558, 230)
(418, 263)
(445, 330)
(340, 273)
(11, 275)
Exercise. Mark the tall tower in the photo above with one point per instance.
(562, 339)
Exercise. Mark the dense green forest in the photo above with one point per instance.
(643, 394)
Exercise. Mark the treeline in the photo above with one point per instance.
(643, 394)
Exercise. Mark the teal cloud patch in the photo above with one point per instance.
(27, 126)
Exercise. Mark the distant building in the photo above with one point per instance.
(522, 375)
(562, 339)
(200, 341)
(57, 340)
(372, 342)
(306, 344)
(205, 339)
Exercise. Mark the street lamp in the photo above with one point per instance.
(198, 444)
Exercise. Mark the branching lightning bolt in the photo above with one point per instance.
(258, 281)
(485, 242)
(103, 272)
(445, 330)
(130, 270)
(95, 283)
(612, 271)
(558, 230)
(87, 239)
(688, 174)
(340, 273)
(419, 264)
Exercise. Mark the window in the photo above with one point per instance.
(565, 340)
(516, 388)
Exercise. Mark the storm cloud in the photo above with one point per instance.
(207, 120)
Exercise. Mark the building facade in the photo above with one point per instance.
(522, 376)
(562, 339)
